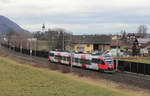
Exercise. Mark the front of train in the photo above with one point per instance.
(109, 63)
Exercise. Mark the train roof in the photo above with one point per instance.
(106, 56)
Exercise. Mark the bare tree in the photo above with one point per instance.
(142, 31)
(10, 34)
(16, 38)
(36, 34)
(58, 39)
(52, 39)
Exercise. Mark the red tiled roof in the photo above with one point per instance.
(96, 39)
(114, 43)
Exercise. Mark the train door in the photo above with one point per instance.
(69, 58)
(51, 56)
(62, 58)
(77, 60)
(94, 63)
(88, 61)
(55, 58)
(82, 61)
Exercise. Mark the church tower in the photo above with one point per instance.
(43, 28)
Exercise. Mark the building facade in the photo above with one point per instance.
(91, 43)
(83, 48)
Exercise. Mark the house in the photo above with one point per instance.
(144, 51)
(114, 52)
(91, 43)
(114, 43)
(143, 42)
(148, 48)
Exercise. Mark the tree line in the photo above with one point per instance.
(57, 38)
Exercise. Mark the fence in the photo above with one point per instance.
(38, 53)
(134, 67)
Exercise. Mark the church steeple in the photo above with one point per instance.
(43, 28)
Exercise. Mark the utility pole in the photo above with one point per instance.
(21, 47)
(48, 38)
(117, 54)
(63, 41)
(35, 43)
(30, 46)
(71, 51)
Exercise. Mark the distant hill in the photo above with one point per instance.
(6, 24)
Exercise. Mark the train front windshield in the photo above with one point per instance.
(109, 63)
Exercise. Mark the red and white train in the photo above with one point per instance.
(103, 63)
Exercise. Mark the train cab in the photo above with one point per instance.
(109, 63)
(51, 56)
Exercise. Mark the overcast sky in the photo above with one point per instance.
(79, 16)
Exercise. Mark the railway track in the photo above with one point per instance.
(138, 80)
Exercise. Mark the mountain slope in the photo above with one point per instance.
(6, 24)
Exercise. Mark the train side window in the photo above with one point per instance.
(101, 62)
(64, 58)
(76, 60)
(68, 59)
(88, 62)
(84, 61)
(81, 61)
(57, 57)
(95, 60)
(73, 59)
(51, 54)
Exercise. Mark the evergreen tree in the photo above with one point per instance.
(135, 48)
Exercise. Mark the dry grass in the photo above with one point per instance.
(23, 80)
(43, 45)
(137, 59)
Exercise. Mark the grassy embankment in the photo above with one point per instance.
(23, 80)
(137, 59)
(43, 45)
